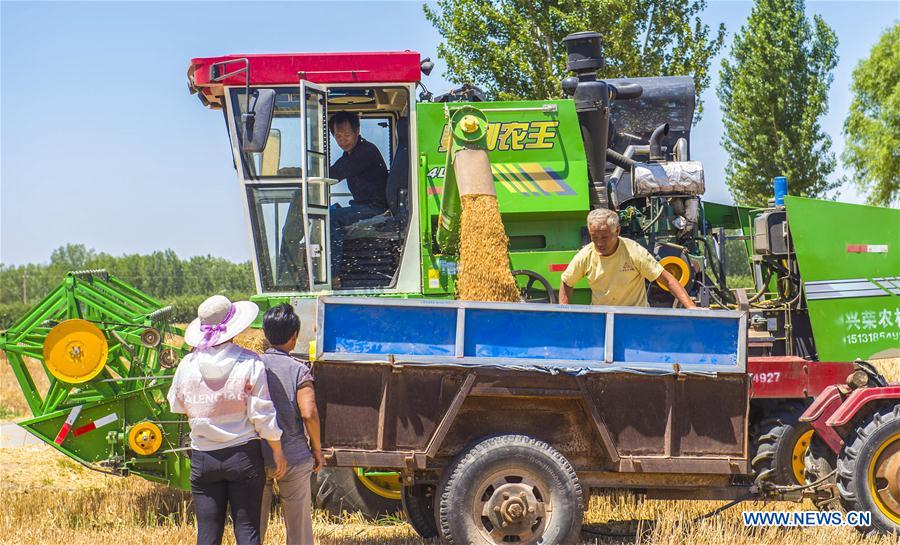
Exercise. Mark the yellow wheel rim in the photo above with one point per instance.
(145, 438)
(798, 453)
(677, 268)
(884, 469)
(383, 483)
(75, 351)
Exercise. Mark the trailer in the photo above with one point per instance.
(501, 417)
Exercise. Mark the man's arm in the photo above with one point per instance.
(567, 280)
(677, 290)
(309, 412)
(565, 293)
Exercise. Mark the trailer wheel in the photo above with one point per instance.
(779, 445)
(510, 488)
(418, 506)
(819, 462)
(339, 489)
(868, 477)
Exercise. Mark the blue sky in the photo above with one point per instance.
(101, 143)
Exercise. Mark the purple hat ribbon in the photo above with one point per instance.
(211, 331)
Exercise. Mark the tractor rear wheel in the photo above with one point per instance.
(510, 489)
(868, 477)
(779, 445)
(418, 506)
(341, 489)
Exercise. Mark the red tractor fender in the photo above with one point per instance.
(818, 413)
(858, 399)
(831, 409)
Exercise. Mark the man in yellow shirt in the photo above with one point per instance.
(616, 267)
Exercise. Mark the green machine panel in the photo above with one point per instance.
(849, 258)
(540, 175)
(537, 155)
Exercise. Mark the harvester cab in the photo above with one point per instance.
(277, 109)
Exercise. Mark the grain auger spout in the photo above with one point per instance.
(468, 172)
(470, 224)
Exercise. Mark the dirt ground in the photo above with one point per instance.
(49, 499)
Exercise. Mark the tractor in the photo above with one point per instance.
(622, 144)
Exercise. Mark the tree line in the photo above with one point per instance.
(183, 283)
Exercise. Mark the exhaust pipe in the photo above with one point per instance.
(656, 154)
(591, 100)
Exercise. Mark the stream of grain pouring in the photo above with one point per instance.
(484, 273)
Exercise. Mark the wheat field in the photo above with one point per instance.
(50, 499)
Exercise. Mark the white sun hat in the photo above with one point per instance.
(219, 320)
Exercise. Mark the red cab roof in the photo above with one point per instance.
(282, 69)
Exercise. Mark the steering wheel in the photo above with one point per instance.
(531, 292)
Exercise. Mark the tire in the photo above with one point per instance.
(418, 507)
(819, 462)
(774, 457)
(511, 476)
(875, 441)
(338, 490)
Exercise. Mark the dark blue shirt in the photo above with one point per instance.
(365, 172)
(285, 375)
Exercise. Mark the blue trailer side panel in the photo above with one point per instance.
(500, 333)
(558, 338)
(675, 339)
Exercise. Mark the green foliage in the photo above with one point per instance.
(773, 93)
(182, 283)
(872, 127)
(513, 49)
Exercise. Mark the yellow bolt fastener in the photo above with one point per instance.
(469, 124)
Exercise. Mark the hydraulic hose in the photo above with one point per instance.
(619, 160)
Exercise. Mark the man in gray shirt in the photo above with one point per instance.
(291, 389)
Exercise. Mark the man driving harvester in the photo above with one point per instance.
(616, 267)
(363, 167)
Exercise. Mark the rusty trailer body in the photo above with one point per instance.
(655, 399)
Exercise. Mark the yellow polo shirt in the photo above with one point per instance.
(618, 279)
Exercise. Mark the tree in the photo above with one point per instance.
(872, 127)
(513, 49)
(71, 257)
(773, 93)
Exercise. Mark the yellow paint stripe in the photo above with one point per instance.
(500, 176)
(512, 178)
(540, 176)
(524, 179)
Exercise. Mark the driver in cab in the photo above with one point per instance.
(366, 173)
(616, 267)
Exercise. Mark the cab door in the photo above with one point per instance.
(315, 183)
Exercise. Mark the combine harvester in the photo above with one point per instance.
(428, 392)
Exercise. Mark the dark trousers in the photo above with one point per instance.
(235, 476)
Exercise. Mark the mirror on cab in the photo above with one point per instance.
(256, 120)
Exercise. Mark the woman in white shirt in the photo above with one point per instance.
(222, 388)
